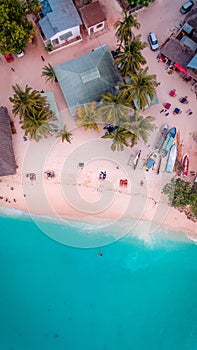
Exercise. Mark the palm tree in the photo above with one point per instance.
(49, 73)
(26, 102)
(38, 126)
(87, 116)
(141, 88)
(124, 27)
(120, 139)
(34, 113)
(139, 126)
(65, 135)
(113, 109)
(130, 58)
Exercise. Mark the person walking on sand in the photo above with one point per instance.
(13, 69)
(42, 58)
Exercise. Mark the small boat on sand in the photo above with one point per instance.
(185, 164)
(162, 137)
(171, 159)
(164, 130)
(168, 142)
(136, 159)
(150, 161)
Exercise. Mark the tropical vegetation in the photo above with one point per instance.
(113, 109)
(35, 116)
(64, 134)
(140, 87)
(124, 28)
(49, 73)
(87, 116)
(135, 3)
(139, 126)
(15, 30)
(120, 139)
(181, 194)
(129, 58)
(32, 6)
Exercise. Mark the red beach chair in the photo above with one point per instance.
(167, 105)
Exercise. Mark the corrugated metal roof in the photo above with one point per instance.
(193, 63)
(59, 15)
(189, 43)
(79, 90)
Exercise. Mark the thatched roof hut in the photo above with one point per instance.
(177, 52)
(7, 160)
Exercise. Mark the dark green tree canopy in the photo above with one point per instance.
(15, 30)
(182, 193)
(135, 3)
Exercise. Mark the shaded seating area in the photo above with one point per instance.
(31, 176)
(102, 175)
(184, 100)
(81, 165)
(50, 174)
(177, 111)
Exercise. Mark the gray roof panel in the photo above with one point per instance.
(61, 15)
(85, 78)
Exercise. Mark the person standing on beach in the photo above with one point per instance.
(42, 58)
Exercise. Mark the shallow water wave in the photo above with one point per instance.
(126, 295)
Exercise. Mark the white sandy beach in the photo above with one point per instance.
(77, 193)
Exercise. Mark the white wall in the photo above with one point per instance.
(95, 29)
(75, 32)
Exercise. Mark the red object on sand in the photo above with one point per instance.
(172, 93)
(185, 164)
(9, 58)
(167, 105)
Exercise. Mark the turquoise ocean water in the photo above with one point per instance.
(56, 297)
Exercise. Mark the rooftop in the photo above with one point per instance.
(92, 14)
(7, 160)
(85, 78)
(59, 15)
(177, 52)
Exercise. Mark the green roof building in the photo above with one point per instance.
(85, 78)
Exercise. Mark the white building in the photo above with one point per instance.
(59, 23)
(93, 17)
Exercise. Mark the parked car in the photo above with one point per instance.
(9, 58)
(20, 54)
(153, 41)
(186, 7)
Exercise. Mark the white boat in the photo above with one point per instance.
(171, 159)
(136, 159)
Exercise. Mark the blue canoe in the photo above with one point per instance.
(168, 141)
